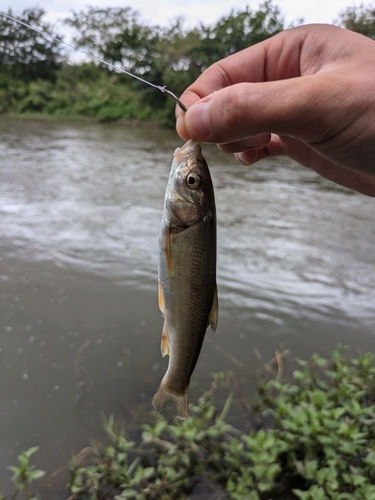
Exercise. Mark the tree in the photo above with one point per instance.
(237, 31)
(360, 19)
(115, 35)
(25, 53)
(172, 55)
(181, 55)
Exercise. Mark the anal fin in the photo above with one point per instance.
(164, 340)
(214, 312)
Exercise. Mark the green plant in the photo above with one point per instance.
(24, 474)
(325, 417)
(167, 463)
(315, 440)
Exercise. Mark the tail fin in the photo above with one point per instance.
(165, 398)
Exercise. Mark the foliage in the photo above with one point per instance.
(360, 19)
(173, 56)
(237, 31)
(79, 91)
(114, 34)
(312, 438)
(169, 462)
(325, 419)
(25, 53)
(24, 474)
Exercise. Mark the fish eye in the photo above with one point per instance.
(193, 181)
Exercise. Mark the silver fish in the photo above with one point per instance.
(187, 273)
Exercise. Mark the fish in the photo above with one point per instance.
(187, 286)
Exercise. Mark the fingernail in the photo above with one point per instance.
(178, 123)
(239, 157)
(196, 121)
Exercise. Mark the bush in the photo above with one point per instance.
(79, 91)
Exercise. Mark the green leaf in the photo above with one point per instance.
(13, 468)
(128, 493)
(30, 451)
(35, 474)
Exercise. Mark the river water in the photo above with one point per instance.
(80, 207)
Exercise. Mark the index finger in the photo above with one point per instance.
(273, 59)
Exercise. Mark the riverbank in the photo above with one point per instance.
(86, 92)
(81, 120)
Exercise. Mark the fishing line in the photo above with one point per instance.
(110, 65)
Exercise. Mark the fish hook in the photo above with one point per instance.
(182, 106)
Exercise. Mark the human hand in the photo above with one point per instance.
(307, 93)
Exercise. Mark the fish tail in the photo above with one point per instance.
(166, 398)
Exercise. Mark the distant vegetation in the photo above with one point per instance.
(360, 19)
(37, 77)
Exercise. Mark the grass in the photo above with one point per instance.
(312, 438)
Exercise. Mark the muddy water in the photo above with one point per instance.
(80, 207)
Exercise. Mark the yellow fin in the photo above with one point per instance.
(214, 313)
(167, 249)
(164, 341)
(161, 298)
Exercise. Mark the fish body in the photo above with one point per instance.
(187, 273)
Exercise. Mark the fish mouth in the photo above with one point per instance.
(188, 149)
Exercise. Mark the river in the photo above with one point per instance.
(80, 208)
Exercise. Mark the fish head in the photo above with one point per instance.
(189, 196)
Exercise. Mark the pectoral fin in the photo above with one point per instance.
(167, 249)
(164, 341)
(214, 313)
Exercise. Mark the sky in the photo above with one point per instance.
(194, 11)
